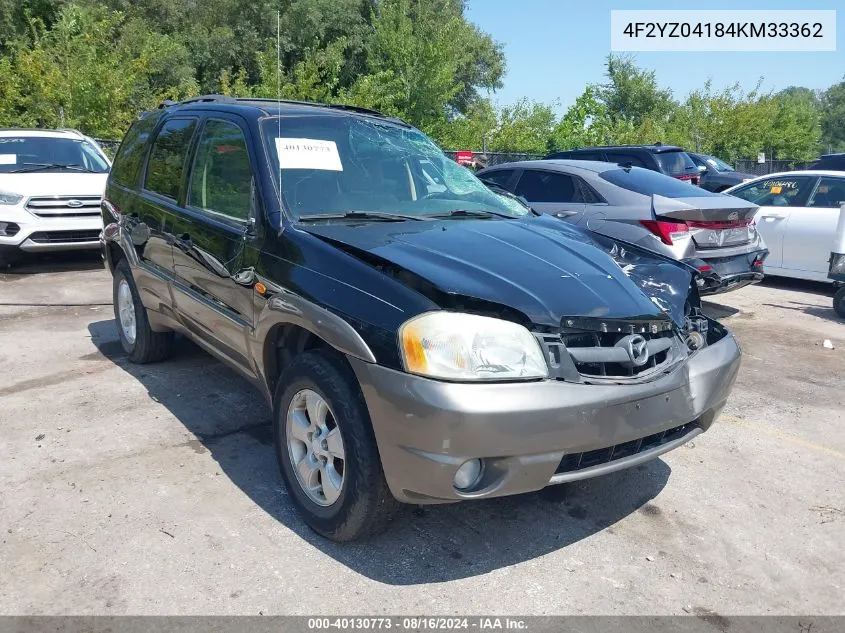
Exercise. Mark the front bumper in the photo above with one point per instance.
(34, 234)
(729, 273)
(425, 429)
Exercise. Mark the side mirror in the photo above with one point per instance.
(702, 169)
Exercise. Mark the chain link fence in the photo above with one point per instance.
(771, 166)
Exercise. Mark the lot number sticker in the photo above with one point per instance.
(8, 159)
(308, 153)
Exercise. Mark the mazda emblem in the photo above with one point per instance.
(637, 348)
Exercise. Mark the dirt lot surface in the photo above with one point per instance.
(154, 489)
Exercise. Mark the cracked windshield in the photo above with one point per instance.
(335, 165)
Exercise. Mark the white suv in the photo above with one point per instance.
(51, 185)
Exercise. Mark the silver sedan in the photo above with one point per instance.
(713, 232)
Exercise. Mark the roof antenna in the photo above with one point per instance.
(279, 92)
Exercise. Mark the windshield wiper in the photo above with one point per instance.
(39, 166)
(468, 213)
(358, 215)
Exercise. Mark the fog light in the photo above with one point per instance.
(468, 474)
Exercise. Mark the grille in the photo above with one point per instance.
(579, 461)
(65, 237)
(604, 355)
(9, 229)
(64, 206)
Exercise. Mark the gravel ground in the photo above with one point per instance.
(154, 490)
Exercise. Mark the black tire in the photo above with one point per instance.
(9, 257)
(839, 302)
(365, 504)
(148, 346)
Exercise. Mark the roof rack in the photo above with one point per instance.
(70, 129)
(216, 98)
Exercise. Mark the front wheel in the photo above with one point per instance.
(139, 341)
(839, 302)
(327, 451)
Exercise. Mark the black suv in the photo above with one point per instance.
(832, 162)
(418, 337)
(667, 159)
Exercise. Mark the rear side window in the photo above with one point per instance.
(545, 186)
(133, 150)
(578, 155)
(830, 193)
(784, 191)
(222, 178)
(650, 183)
(675, 163)
(624, 157)
(500, 177)
(167, 157)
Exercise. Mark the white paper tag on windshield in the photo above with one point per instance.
(8, 159)
(308, 153)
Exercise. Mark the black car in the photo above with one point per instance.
(667, 159)
(418, 337)
(830, 162)
(716, 174)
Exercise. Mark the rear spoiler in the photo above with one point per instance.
(703, 208)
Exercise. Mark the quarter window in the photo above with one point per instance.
(500, 177)
(545, 186)
(130, 157)
(221, 181)
(167, 157)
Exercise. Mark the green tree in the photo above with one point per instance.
(586, 122)
(631, 94)
(833, 121)
(83, 73)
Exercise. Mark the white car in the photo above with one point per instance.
(51, 186)
(797, 219)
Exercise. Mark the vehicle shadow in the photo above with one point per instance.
(423, 544)
(817, 288)
(33, 264)
(717, 310)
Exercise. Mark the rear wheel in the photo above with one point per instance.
(139, 341)
(327, 451)
(839, 302)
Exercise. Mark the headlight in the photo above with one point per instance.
(7, 197)
(468, 347)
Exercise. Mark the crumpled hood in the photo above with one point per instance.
(540, 266)
(54, 184)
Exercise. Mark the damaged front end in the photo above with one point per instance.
(595, 350)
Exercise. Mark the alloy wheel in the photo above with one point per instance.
(126, 311)
(315, 446)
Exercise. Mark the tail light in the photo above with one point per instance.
(665, 230)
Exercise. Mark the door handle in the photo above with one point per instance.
(565, 214)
